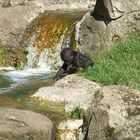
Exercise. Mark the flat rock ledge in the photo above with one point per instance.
(75, 91)
(24, 125)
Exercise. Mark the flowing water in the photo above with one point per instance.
(43, 40)
(22, 85)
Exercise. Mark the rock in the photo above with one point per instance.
(15, 18)
(16, 15)
(115, 114)
(24, 125)
(88, 33)
(113, 9)
(68, 130)
(110, 22)
(74, 90)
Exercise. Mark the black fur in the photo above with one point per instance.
(72, 62)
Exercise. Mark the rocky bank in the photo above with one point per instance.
(113, 114)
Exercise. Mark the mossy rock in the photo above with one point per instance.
(4, 82)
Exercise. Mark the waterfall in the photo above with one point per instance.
(46, 36)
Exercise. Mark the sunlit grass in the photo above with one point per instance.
(119, 66)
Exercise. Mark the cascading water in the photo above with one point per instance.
(43, 40)
(47, 35)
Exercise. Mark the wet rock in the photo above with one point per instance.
(74, 90)
(15, 18)
(24, 125)
(115, 114)
(68, 130)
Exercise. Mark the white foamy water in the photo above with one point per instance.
(19, 78)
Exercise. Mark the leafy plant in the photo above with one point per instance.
(77, 113)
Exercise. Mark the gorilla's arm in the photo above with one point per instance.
(72, 69)
(61, 72)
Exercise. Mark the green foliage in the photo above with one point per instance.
(77, 113)
(119, 66)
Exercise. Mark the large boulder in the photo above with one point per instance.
(24, 125)
(114, 115)
(73, 90)
(110, 22)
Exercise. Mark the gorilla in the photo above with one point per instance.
(73, 60)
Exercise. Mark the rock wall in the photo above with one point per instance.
(110, 22)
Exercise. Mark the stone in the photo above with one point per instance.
(110, 22)
(69, 130)
(88, 33)
(24, 125)
(73, 90)
(113, 9)
(115, 114)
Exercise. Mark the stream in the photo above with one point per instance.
(25, 83)
(43, 39)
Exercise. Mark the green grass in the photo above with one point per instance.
(119, 66)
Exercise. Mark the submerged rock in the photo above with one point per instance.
(24, 125)
(74, 90)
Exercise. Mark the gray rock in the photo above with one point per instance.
(74, 90)
(115, 115)
(24, 125)
(113, 9)
(89, 33)
(110, 22)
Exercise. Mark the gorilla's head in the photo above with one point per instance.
(67, 55)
